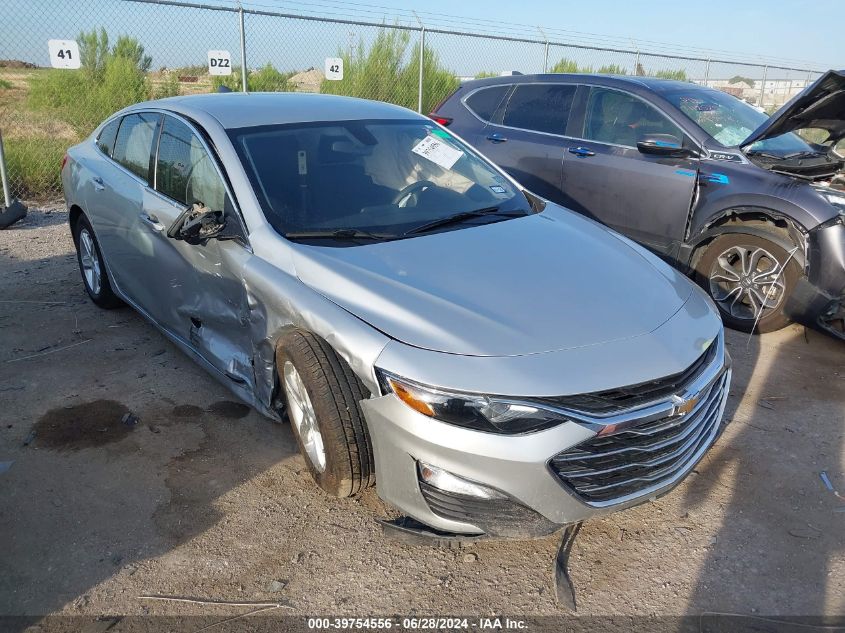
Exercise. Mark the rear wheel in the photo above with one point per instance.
(323, 398)
(92, 266)
(750, 279)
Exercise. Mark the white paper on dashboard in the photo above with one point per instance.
(437, 152)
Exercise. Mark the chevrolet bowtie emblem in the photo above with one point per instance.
(684, 406)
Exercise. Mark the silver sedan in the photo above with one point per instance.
(496, 364)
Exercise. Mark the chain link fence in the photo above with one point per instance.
(132, 50)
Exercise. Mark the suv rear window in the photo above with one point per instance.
(107, 135)
(135, 142)
(540, 107)
(485, 102)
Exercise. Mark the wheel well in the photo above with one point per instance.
(75, 212)
(785, 232)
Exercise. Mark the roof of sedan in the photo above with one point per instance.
(650, 83)
(238, 109)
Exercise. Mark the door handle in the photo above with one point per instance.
(495, 137)
(152, 221)
(583, 152)
(98, 184)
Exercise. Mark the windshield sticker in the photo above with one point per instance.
(440, 133)
(437, 152)
(498, 189)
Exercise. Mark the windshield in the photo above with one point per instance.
(381, 177)
(730, 120)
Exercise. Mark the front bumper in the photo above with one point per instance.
(523, 467)
(819, 297)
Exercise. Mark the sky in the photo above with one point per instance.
(797, 29)
(801, 33)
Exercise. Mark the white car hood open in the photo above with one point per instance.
(550, 281)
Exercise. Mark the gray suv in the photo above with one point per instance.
(740, 200)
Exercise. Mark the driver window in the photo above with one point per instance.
(184, 170)
(622, 119)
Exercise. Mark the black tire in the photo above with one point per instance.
(743, 316)
(335, 393)
(102, 295)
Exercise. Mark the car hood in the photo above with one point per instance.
(548, 281)
(821, 105)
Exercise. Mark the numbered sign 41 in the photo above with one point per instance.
(63, 53)
(219, 63)
(334, 68)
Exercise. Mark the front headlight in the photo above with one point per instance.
(474, 411)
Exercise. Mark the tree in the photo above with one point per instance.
(379, 72)
(129, 48)
(93, 52)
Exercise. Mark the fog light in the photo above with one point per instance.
(448, 482)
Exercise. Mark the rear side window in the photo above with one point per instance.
(540, 107)
(486, 101)
(622, 119)
(184, 169)
(135, 142)
(107, 135)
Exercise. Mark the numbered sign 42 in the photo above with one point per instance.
(64, 53)
(334, 68)
(219, 63)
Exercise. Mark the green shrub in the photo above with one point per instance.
(484, 74)
(380, 72)
(565, 65)
(677, 75)
(266, 79)
(34, 165)
(5, 85)
(232, 82)
(612, 69)
(83, 101)
(167, 86)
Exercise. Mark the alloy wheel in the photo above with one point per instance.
(91, 266)
(304, 418)
(747, 282)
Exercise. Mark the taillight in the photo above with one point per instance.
(64, 162)
(442, 120)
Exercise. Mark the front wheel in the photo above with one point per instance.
(749, 279)
(323, 398)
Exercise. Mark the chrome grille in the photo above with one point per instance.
(623, 398)
(612, 468)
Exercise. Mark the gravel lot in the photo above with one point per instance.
(203, 497)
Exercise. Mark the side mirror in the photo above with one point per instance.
(197, 224)
(664, 145)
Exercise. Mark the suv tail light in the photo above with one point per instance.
(64, 162)
(442, 120)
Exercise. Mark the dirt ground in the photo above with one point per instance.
(192, 494)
